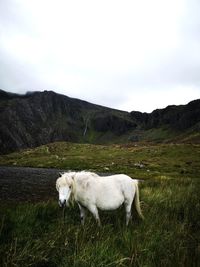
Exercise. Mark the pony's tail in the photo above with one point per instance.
(137, 201)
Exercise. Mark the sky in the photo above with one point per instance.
(129, 55)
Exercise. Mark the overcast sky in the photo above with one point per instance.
(130, 55)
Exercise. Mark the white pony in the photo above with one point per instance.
(94, 192)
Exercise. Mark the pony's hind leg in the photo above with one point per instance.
(128, 212)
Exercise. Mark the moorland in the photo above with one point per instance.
(36, 233)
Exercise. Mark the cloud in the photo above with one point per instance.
(106, 52)
(147, 100)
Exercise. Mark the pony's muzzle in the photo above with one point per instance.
(62, 203)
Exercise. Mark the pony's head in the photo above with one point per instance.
(64, 186)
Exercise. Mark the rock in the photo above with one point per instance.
(140, 165)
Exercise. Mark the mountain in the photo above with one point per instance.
(177, 117)
(38, 118)
(43, 117)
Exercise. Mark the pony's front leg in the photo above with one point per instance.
(93, 209)
(82, 214)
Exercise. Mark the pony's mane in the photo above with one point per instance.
(73, 173)
(91, 173)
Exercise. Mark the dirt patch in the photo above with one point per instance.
(28, 184)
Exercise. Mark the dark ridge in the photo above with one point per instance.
(179, 117)
(37, 118)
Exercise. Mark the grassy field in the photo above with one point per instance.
(37, 234)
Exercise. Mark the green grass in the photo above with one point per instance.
(160, 134)
(36, 234)
(161, 160)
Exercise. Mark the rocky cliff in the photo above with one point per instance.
(176, 117)
(43, 117)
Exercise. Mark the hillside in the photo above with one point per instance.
(43, 117)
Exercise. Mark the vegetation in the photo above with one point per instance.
(37, 234)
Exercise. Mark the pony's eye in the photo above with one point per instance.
(70, 186)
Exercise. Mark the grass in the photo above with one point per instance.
(36, 234)
(173, 160)
(160, 134)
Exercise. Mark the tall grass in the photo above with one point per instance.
(37, 234)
